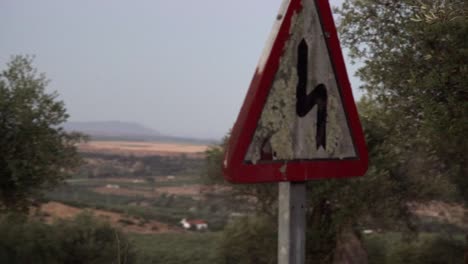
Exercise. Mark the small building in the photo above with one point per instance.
(198, 225)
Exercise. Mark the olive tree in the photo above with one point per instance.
(35, 151)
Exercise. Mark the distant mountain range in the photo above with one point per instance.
(118, 130)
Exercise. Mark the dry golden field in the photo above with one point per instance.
(143, 148)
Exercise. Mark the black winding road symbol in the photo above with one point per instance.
(305, 102)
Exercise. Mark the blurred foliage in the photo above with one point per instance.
(415, 73)
(213, 165)
(82, 240)
(426, 249)
(173, 248)
(36, 153)
(249, 240)
(434, 11)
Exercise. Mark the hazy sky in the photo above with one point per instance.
(180, 67)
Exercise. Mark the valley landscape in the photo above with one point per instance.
(145, 188)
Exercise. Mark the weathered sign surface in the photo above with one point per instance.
(299, 120)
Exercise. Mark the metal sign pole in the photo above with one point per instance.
(291, 222)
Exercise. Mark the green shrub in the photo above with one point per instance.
(376, 250)
(442, 250)
(173, 248)
(404, 252)
(427, 249)
(82, 240)
(249, 240)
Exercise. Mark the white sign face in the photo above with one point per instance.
(303, 117)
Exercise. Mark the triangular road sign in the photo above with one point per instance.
(299, 120)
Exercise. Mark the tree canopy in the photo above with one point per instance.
(414, 56)
(36, 152)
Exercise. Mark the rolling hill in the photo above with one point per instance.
(129, 131)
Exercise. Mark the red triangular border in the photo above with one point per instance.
(236, 170)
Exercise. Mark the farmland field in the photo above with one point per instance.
(141, 179)
(144, 189)
(143, 148)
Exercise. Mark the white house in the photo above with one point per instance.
(198, 225)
